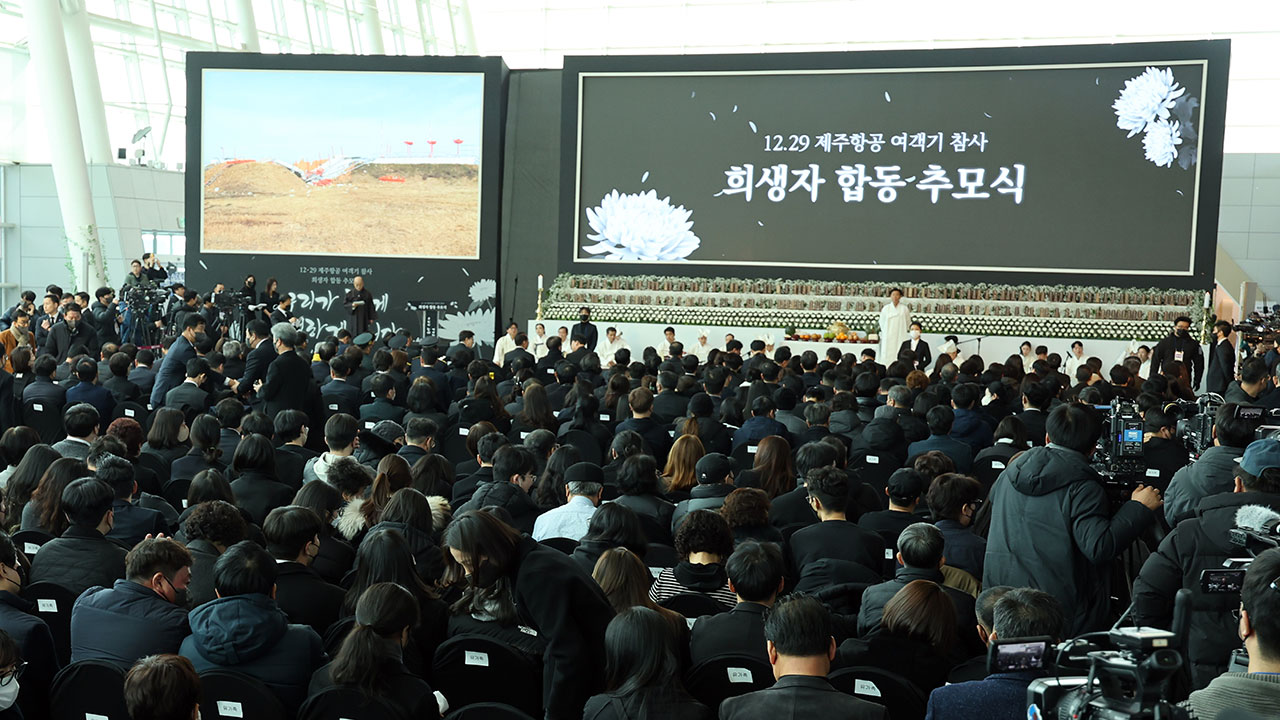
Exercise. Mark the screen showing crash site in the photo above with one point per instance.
(1036, 161)
(301, 162)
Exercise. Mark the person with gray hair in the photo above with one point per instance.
(1019, 613)
(584, 483)
(288, 375)
(920, 557)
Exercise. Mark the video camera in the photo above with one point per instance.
(1260, 327)
(1125, 677)
(1119, 456)
(1195, 424)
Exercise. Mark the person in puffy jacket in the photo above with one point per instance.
(246, 632)
(1202, 543)
(1051, 528)
(1214, 471)
(514, 472)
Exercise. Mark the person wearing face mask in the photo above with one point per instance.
(370, 659)
(1179, 346)
(143, 614)
(552, 594)
(83, 556)
(924, 356)
(585, 329)
(70, 332)
(514, 471)
(288, 375)
(293, 539)
(19, 621)
(173, 367)
(18, 335)
(12, 667)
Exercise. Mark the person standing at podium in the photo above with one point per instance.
(359, 302)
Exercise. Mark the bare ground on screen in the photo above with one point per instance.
(262, 207)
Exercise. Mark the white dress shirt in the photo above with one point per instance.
(567, 521)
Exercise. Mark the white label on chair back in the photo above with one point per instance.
(333, 407)
(1153, 472)
(751, 449)
(93, 716)
(523, 434)
(463, 431)
(865, 687)
(655, 572)
(47, 605)
(30, 548)
(37, 407)
(997, 465)
(672, 432)
(604, 417)
(230, 709)
(475, 658)
(888, 554)
(369, 424)
(184, 503)
(527, 630)
(740, 675)
(690, 622)
(873, 459)
(128, 412)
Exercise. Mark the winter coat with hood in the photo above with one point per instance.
(1199, 543)
(509, 496)
(1051, 528)
(249, 634)
(1214, 472)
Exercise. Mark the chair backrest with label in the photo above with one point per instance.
(454, 444)
(488, 711)
(475, 668)
(225, 694)
(899, 696)
(53, 605)
(133, 410)
(30, 541)
(718, 678)
(45, 419)
(875, 468)
(986, 470)
(693, 605)
(340, 703)
(88, 690)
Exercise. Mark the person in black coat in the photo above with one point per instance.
(188, 397)
(83, 556)
(1222, 360)
(383, 406)
(667, 404)
(288, 376)
(1179, 346)
(293, 539)
(42, 389)
(359, 302)
(256, 488)
(834, 536)
(640, 486)
(340, 394)
(552, 595)
(585, 329)
(1162, 452)
(173, 367)
(756, 576)
(514, 472)
(70, 332)
(19, 620)
(654, 433)
(520, 355)
(122, 388)
(642, 671)
(918, 346)
(801, 646)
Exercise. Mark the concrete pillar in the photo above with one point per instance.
(48, 49)
(84, 76)
(373, 44)
(248, 26)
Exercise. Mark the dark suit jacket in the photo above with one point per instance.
(259, 494)
(1222, 367)
(286, 385)
(46, 392)
(122, 389)
(381, 409)
(173, 370)
(800, 696)
(289, 467)
(306, 598)
(187, 395)
(924, 357)
(519, 354)
(959, 452)
(838, 539)
(737, 632)
(667, 406)
(97, 396)
(61, 339)
(145, 379)
(343, 393)
(1034, 420)
(256, 364)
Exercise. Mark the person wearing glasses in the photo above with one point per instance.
(1258, 625)
(514, 471)
(26, 645)
(954, 500)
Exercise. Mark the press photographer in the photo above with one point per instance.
(1213, 472)
(1202, 543)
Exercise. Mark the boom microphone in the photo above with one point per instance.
(1258, 518)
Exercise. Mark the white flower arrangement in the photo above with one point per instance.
(1145, 105)
(1161, 141)
(639, 226)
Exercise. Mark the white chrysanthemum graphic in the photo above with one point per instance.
(483, 290)
(1145, 98)
(639, 226)
(1161, 142)
(479, 322)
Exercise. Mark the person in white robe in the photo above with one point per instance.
(895, 324)
(505, 344)
(609, 346)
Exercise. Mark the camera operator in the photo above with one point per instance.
(1019, 613)
(176, 298)
(1253, 385)
(1213, 471)
(136, 276)
(1258, 690)
(1051, 526)
(106, 315)
(152, 268)
(1162, 452)
(1202, 543)
(1179, 346)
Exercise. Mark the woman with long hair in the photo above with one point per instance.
(44, 512)
(641, 486)
(24, 481)
(611, 526)
(14, 444)
(371, 657)
(166, 441)
(618, 389)
(336, 556)
(205, 454)
(700, 423)
(680, 472)
(417, 518)
(484, 404)
(130, 433)
(554, 596)
(548, 491)
(22, 375)
(270, 296)
(535, 412)
(625, 580)
(642, 673)
(586, 417)
(385, 556)
(433, 474)
(773, 471)
(392, 475)
(256, 487)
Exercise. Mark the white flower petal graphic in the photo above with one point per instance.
(1146, 98)
(482, 290)
(479, 322)
(1160, 142)
(639, 226)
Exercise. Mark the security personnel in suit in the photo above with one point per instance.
(1222, 360)
(288, 376)
(188, 397)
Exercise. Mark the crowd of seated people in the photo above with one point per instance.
(326, 514)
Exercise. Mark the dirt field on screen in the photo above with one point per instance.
(428, 210)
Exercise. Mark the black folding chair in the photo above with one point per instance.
(654, 531)
(225, 694)
(586, 443)
(341, 703)
(875, 468)
(719, 678)
(745, 456)
(175, 493)
(898, 695)
(132, 410)
(336, 633)
(987, 470)
(88, 689)
(45, 419)
(454, 444)
(659, 555)
(53, 605)
(564, 545)
(30, 541)
(488, 711)
(693, 605)
(479, 669)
